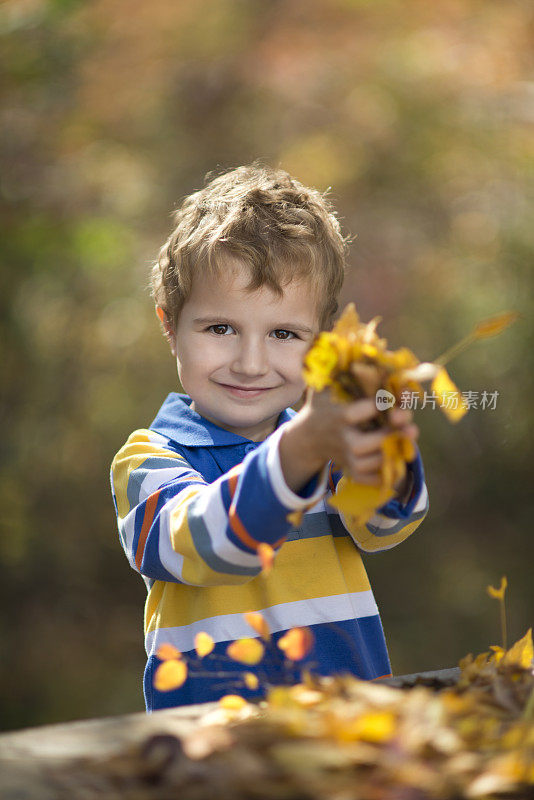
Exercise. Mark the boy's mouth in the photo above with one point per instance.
(245, 391)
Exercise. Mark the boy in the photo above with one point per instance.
(249, 275)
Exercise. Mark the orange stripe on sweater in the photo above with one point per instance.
(150, 509)
(242, 533)
(279, 543)
(233, 477)
(240, 530)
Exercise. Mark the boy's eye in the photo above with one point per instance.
(281, 333)
(222, 329)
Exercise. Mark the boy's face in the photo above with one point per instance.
(240, 353)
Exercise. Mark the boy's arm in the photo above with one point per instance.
(176, 527)
(393, 522)
(325, 430)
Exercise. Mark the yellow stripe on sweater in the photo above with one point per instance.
(372, 543)
(304, 570)
(137, 449)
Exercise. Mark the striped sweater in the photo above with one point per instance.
(193, 501)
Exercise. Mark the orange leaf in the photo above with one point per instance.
(258, 623)
(166, 651)
(170, 674)
(232, 702)
(295, 518)
(248, 651)
(494, 325)
(204, 644)
(251, 680)
(266, 556)
(296, 643)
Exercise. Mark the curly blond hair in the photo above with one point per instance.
(263, 217)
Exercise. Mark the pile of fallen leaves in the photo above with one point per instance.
(345, 739)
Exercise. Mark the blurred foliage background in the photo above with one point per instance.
(419, 116)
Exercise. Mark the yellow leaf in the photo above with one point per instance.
(320, 362)
(451, 401)
(494, 325)
(251, 680)
(258, 623)
(296, 643)
(166, 651)
(498, 653)
(498, 594)
(232, 702)
(370, 351)
(358, 500)
(248, 651)
(346, 352)
(407, 449)
(395, 448)
(349, 321)
(400, 360)
(374, 726)
(521, 653)
(204, 644)
(266, 556)
(169, 675)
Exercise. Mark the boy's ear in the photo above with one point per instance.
(167, 325)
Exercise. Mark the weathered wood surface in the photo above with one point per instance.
(28, 756)
(434, 679)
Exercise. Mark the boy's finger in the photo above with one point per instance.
(412, 431)
(368, 478)
(400, 417)
(360, 411)
(370, 463)
(361, 444)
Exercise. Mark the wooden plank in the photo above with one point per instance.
(29, 758)
(97, 737)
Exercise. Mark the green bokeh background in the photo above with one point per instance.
(419, 116)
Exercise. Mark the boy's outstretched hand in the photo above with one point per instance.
(325, 430)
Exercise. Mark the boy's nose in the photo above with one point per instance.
(250, 359)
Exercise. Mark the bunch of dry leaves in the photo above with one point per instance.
(353, 362)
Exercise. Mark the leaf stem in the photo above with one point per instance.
(453, 351)
(503, 623)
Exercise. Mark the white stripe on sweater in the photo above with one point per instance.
(228, 627)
